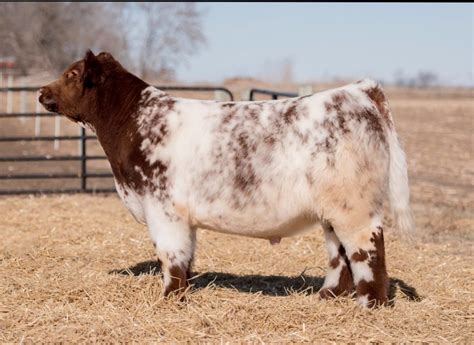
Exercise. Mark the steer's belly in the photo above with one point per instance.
(259, 227)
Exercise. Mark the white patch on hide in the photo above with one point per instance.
(361, 271)
(363, 300)
(132, 201)
(332, 275)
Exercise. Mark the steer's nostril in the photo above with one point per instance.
(41, 94)
(45, 96)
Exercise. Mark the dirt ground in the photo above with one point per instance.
(79, 268)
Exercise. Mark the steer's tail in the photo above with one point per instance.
(399, 189)
(398, 176)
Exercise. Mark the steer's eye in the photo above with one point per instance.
(71, 74)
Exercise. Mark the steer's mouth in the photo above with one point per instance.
(49, 103)
(53, 107)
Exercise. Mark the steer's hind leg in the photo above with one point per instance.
(174, 242)
(366, 253)
(338, 279)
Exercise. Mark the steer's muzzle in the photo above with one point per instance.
(47, 100)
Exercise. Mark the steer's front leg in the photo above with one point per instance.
(174, 242)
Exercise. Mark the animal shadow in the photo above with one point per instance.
(269, 285)
(266, 284)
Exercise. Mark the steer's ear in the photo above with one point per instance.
(93, 72)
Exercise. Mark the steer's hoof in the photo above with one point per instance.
(329, 293)
(326, 293)
(178, 294)
(372, 303)
(177, 289)
(178, 282)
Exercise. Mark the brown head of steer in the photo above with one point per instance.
(268, 169)
(98, 93)
(92, 89)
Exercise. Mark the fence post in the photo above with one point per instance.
(22, 105)
(79, 143)
(83, 160)
(10, 95)
(1, 85)
(247, 95)
(57, 131)
(305, 90)
(220, 96)
(37, 118)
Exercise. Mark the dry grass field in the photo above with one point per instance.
(76, 268)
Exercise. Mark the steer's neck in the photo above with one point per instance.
(117, 102)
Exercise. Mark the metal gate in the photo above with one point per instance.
(83, 173)
(274, 94)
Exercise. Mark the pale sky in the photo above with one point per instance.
(324, 40)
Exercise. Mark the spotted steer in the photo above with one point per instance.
(266, 169)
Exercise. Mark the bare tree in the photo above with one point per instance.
(422, 79)
(427, 78)
(399, 78)
(155, 37)
(170, 34)
(51, 35)
(15, 36)
(287, 70)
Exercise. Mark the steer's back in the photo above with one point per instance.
(272, 168)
